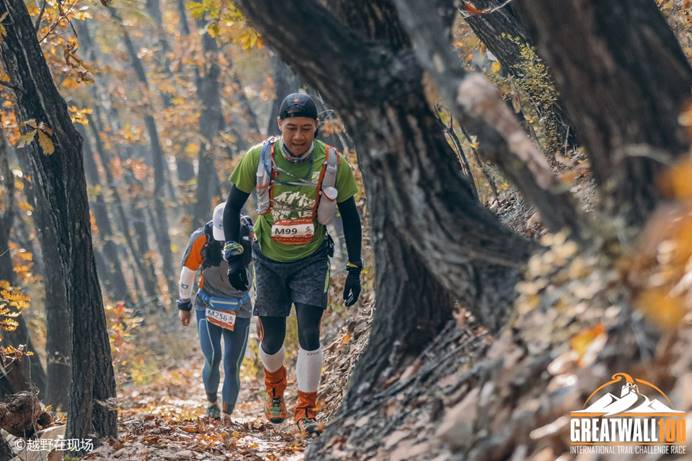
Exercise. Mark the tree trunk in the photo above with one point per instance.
(184, 167)
(398, 335)
(504, 35)
(623, 78)
(159, 161)
(61, 179)
(144, 266)
(210, 123)
(285, 83)
(115, 279)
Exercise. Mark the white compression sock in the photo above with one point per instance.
(308, 369)
(272, 362)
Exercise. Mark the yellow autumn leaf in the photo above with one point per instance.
(26, 138)
(24, 205)
(581, 341)
(45, 142)
(495, 67)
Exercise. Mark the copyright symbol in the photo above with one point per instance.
(20, 444)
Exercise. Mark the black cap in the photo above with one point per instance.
(297, 105)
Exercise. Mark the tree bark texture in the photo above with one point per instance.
(60, 178)
(623, 78)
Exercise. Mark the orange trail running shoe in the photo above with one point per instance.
(306, 412)
(275, 406)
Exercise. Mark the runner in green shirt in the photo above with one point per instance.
(292, 249)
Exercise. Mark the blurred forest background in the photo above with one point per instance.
(166, 96)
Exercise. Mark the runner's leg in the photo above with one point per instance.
(210, 342)
(309, 364)
(234, 343)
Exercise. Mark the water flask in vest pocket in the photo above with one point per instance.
(327, 207)
(262, 189)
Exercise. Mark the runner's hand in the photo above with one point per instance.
(184, 311)
(352, 286)
(184, 317)
(237, 275)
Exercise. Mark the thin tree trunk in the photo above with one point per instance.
(116, 283)
(144, 266)
(159, 162)
(623, 78)
(210, 124)
(184, 167)
(285, 83)
(145, 269)
(61, 176)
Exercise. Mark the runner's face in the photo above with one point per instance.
(298, 133)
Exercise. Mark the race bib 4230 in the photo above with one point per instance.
(293, 231)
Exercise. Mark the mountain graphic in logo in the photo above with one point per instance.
(631, 400)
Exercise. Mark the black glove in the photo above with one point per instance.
(184, 304)
(352, 285)
(237, 275)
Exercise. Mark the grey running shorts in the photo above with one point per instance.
(280, 284)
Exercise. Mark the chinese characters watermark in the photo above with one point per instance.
(54, 444)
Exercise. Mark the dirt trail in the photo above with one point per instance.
(165, 420)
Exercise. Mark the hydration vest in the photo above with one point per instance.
(325, 201)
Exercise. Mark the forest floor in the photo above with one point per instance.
(165, 418)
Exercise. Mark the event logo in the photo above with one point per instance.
(628, 421)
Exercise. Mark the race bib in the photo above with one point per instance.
(293, 231)
(221, 318)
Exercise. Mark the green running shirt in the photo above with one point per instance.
(294, 194)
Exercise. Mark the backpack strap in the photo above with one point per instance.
(265, 176)
(327, 174)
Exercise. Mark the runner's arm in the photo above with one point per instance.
(352, 229)
(231, 214)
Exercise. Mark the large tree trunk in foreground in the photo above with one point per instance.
(60, 177)
(623, 78)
